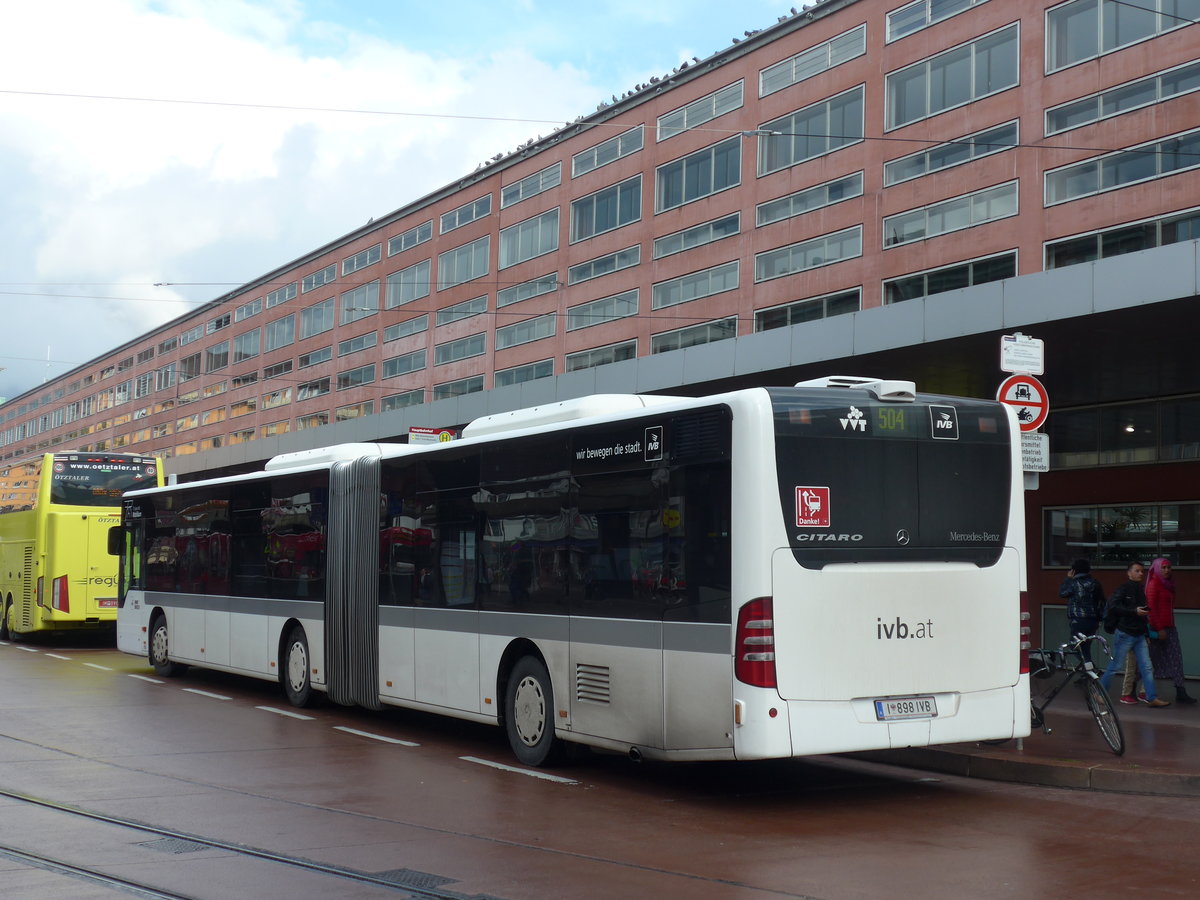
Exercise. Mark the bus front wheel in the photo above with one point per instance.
(160, 656)
(5, 634)
(297, 683)
(529, 713)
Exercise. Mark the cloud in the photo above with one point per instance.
(106, 197)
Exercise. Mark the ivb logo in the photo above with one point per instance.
(654, 443)
(812, 507)
(943, 422)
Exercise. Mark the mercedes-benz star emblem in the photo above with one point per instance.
(902, 536)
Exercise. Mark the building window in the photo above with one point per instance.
(606, 209)
(320, 277)
(143, 386)
(317, 319)
(913, 17)
(280, 333)
(525, 240)
(312, 420)
(400, 401)
(952, 153)
(278, 398)
(408, 284)
(699, 174)
(535, 288)
(275, 428)
(814, 131)
(315, 357)
(1115, 536)
(357, 344)
(281, 295)
(404, 364)
(808, 310)
(357, 411)
(715, 280)
(467, 213)
(956, 77)
(192, 334)
(419, 234)
(608, 309)
(1086, 29)
(955, 214)
(464, 263)
(813, 61)
(216, 357)
(694, 335)
(244, 379)
(143, 357)
(463, 348)
(1156, 159)
(1123, 98)
(1124, 239)
(189, 367)
(807, 200)
(253, 308)
(810, 254)
(697, 236)
(525, 332)
(521, 374)
(359, 303)
(607, 151)
(311, 389)
(531, 185)
(950, 278)
(446, 390)
(603, 265)
(241, 437)
(278, 370)
(361, 260)
(164, 377)
(707, 108)
(215, 325)
(404, 329)
(245, 346)
(356, 377)
(465, 310)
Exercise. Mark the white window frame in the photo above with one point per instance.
(704, 109)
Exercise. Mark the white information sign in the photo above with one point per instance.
(1035, 451)
(1023, 354)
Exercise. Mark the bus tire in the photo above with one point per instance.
(159, 653)
(295, 675)
(529, 713)
(5, 634)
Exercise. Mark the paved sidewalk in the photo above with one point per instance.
(1162, 751)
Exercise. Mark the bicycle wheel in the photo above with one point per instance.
(1106, 716)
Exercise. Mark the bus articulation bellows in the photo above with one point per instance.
(55, 570)
(768, 572)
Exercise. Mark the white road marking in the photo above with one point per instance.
(374, 737)
(146, 678)
(285, 712)
(58, 656)
(27, 649)
(98, 666)
(207, 694)
(543, 775)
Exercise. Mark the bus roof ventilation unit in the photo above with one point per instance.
(320, 456)
(563, 411)
(896, 391)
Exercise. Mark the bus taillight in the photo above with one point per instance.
(1024, 633)
(754, 663)
(60, 597)
(41, 591)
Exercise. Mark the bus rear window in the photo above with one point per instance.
(98, 480)
(871, 481)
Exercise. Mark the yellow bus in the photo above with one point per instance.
(55, 570)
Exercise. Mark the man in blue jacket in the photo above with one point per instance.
(1085, 602)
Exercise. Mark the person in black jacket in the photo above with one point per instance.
(1085, 602)
(1127, 613)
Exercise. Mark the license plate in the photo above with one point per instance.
(107, 602)
(905, 708)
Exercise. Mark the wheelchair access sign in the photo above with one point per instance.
(1027, 395)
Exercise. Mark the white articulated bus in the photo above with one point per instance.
(769, 572)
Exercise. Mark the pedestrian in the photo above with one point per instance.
(1130, 595)
(1085, 602)
(1129, 630)
(1165, 652)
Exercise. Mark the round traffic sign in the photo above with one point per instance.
(1028, 396)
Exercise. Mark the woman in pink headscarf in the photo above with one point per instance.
(1166, 655)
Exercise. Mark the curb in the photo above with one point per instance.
(1011, 766)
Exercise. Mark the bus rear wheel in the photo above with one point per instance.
(529, 713)
(297, 680)
(5, 634)
(159, 649)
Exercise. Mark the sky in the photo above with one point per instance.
(155, 154)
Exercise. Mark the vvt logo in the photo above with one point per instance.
(854, 421)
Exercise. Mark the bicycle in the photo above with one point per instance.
(1045, 662)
